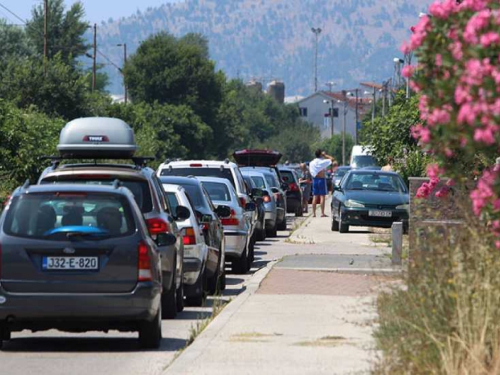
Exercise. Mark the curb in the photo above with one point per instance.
(205, 338)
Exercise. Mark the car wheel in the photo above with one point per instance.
(150, 332)
(180, 296)
(200, 285)
(169, 302)
(241, 265)
(335, 225)
(299, 212)
(343, 227)
(282, 225)
(273, 232)
(223, 281)
(262, 234)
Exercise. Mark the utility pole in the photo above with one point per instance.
(384, 94)
(357, 116)
(344, 94)
(408, 58)
(316, 32)
(124, 45)
(330, 85)
(374, 104)
(45, 26)
(94, 59)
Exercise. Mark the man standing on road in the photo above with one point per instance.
(305, 182)
(317, 168)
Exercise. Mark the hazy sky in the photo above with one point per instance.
(96, 10)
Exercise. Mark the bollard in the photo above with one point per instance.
(397, 243)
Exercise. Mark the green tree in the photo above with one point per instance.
(25, 135)
(14, 41)
(333, 146)
(65, 30)
(53, 87)
(175, 71)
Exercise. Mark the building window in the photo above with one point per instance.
(303, 111)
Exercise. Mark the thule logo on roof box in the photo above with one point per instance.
(95, 138)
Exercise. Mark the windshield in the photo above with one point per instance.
(340, 173)
(55, 216)
(200, 172)
(362, 161)
(287, 177)
(376, 182)
(217, 191)
(140, 189)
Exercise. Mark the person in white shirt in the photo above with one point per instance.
(317, 167)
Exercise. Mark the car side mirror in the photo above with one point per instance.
(182, 213)
(165, 239)
(250, 206)
(223, 211)
(257, 193)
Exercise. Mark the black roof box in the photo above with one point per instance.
(97, 138)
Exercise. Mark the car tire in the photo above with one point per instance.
(179, 296)
(213, 283)
(335, 225)
(240, 265)
(222, 281)
(299, 212)
(282, 225)
(262, 234)
(150, 332)
(169, 302)
(273, 232)
(198, 300)
(343, 228)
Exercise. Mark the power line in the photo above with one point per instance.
(11, 12)
(109, 60)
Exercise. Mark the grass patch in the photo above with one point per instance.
(200, 325)
(445, 319)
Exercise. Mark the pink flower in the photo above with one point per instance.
(405, 48)
(449, 153)
(443, 192)
(439, 60)
(408, 71)
(444, 9)
(438, 116)
(450, 182)
(477, 23)
(433, 171)
(496, 205)
(475, 5)
(456, 50)
(423, 191)
(483, 192)
(490, 38)
(497, 244)
(420, 31)
(485, 135)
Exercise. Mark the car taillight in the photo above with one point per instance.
(243, 202)
(143, 263)
(294, 187)
(157, 226)
(267, 199)
(190, 237)
(232, 220)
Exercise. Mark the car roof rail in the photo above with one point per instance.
(117, 184)
(142, 161)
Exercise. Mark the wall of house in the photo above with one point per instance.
(316, 111)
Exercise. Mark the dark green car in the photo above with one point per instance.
(368, 198)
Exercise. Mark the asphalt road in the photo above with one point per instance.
(58, 353)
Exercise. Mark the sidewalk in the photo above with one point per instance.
(294, 319)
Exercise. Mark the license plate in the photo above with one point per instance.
(70, 263)
(380, 213)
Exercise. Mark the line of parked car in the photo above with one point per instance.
(98, 244)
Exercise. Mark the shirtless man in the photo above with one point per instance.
(317, 168)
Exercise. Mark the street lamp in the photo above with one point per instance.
(316, 32)
(344, 94)
(124, 45)
(331, 111)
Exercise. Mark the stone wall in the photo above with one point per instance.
(443, 216)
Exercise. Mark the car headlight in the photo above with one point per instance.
(403, 207)
(350, 203)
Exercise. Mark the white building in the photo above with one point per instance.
(318, 107)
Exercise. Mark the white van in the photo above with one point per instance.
(361, 157)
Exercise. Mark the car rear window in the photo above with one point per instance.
(375, 181)
(259, 182)
(287, 177)
(56, 216)
(217, 191)
(200, 172)
(362, 161)
(195, 195)
(140, 189)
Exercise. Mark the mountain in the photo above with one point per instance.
(273, 38)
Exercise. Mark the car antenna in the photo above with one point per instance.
(117, 183)
(26, 184)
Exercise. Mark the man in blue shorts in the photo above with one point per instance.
(317, 168)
